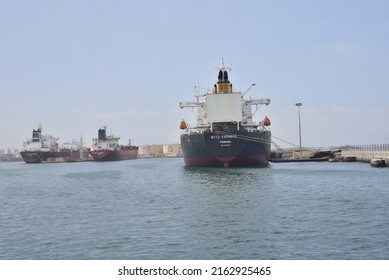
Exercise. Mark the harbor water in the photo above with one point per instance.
(159, 209)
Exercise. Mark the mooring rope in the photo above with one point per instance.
(253, 139)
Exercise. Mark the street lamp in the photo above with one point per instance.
(299, 105)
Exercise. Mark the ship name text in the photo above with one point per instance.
(231, 136)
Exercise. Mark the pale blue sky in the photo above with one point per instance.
(74, 66)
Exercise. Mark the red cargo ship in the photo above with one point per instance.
(107, 148)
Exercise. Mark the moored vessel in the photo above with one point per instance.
(45, 148)
(225, 134)
(107, 148)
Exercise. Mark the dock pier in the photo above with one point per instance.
(360, 153)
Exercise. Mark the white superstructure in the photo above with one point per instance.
(222, 105)
(40, 142)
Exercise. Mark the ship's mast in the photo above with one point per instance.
(222, 67)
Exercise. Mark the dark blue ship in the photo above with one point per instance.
(225, 134)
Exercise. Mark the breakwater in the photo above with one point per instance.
(361, 153)
(365, 153)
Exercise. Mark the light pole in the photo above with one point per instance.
(298, 106)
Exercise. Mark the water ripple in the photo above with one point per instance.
(158, 209)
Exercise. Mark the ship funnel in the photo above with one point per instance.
(220, 76)
(102, 134)
(36, 135)
(223, 84)
(225, 76)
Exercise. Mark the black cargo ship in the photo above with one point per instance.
(225, 134)
(45, 148)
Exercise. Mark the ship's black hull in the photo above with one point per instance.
(239, 149)
(43, 156)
